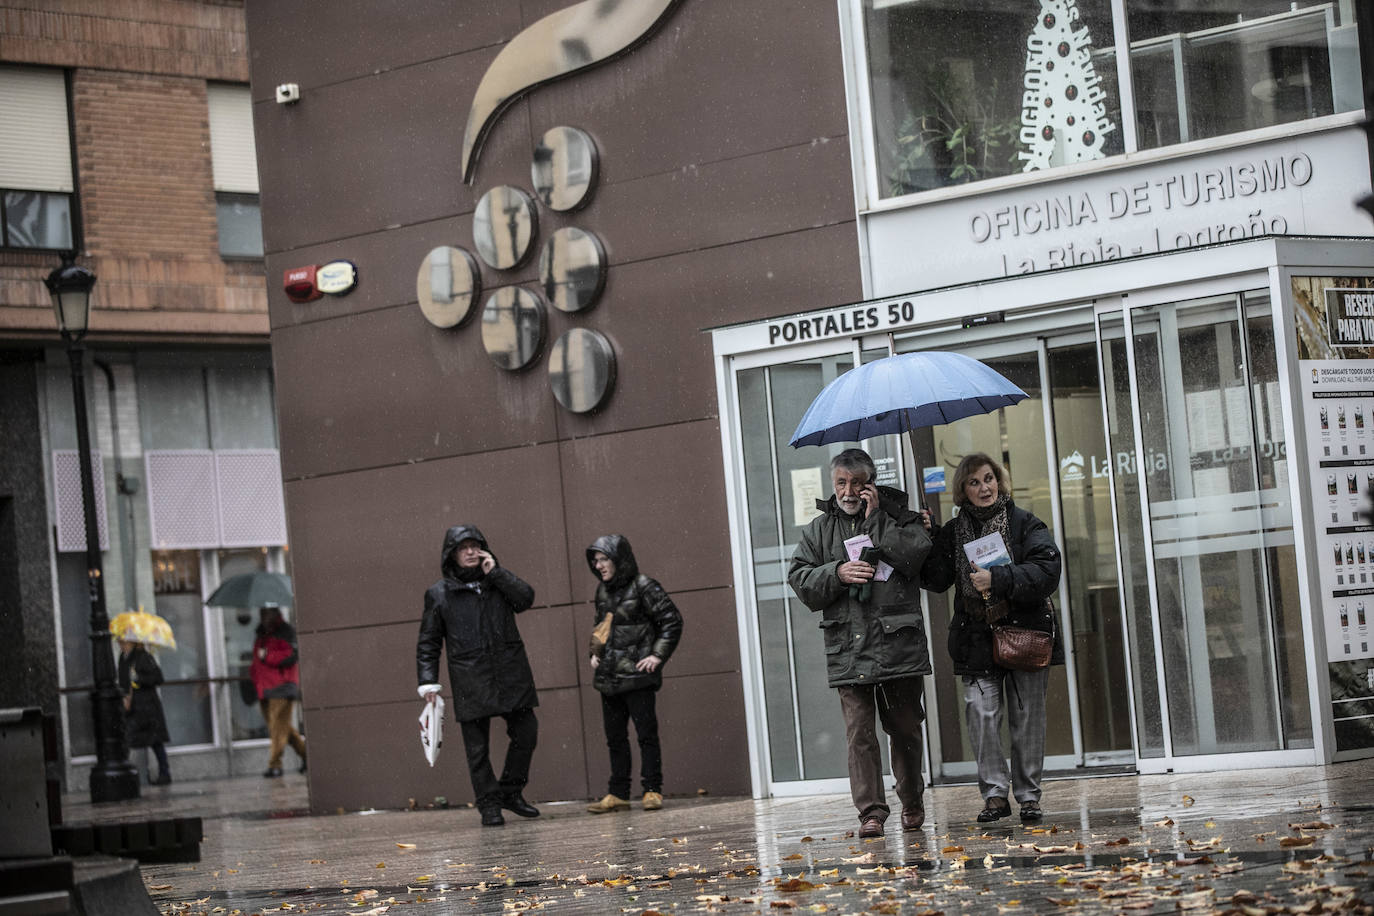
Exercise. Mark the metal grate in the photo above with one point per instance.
(251, 513)
(182, 511)
(71, 518)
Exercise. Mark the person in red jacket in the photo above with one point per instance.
(276, 677)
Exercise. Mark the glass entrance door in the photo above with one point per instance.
(1058, 427)
(1205, 527)
(801, 713)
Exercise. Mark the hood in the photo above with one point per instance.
(890, 499)
(617, 547)
(456, 535)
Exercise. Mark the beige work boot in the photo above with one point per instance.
(652, 801)
(609, 803)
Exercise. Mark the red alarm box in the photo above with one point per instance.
(299, 283)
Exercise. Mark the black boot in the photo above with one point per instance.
(515, 801)
(491, 817)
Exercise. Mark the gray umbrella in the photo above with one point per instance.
(255, 589)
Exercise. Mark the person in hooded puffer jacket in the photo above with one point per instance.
(645, 627)
(472, 608)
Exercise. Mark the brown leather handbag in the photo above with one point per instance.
(1021, 648)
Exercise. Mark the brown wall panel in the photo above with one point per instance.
(370, 757)
(330, 664)
(366, 546)
(701, 732)
(654, 313)
(388, 387)
(706, 87)
(725, 195)
(653, 486)
(365, 155)
(388, 263)
(348, 39)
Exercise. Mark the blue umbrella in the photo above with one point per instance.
(898, 393)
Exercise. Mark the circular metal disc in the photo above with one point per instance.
(503, 226)
(448, 284)
(581, 370)
(564, 168)
(572, 269)
(513, 327)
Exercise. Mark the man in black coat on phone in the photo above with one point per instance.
(472, 608)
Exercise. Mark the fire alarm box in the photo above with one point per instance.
(299, 283)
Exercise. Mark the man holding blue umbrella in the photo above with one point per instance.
(875, 642)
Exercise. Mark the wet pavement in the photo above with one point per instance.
(1293, 840)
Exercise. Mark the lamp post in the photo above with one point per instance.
(113, 778)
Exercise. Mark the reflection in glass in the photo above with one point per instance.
(513, 327)
(1135, 584)
(503, 226)
(447, 285)
(1225, 577)
(239, 626)
(948, 80)
(35, 219)
(572, 269)
(581, 370)
(1015, 436)
(178, 600)
(1085, 501)
(1206, 70)
(564, 168)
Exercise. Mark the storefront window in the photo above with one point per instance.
(1206, 70)
(176, 585)
(964, 91)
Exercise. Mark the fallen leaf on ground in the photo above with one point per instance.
(793, 857)
(793, 885)
(1312, 825)
(1167, 822)
(159, 887)
(405, 845)
(949, 849)
(1188, 801)
(1297, 841)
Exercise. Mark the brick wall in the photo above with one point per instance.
(142, 136)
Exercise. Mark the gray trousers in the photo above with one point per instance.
(901, 709)
(1022, 694)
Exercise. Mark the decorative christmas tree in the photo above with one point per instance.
(1063, 110)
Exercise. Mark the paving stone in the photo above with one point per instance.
(1268, 839)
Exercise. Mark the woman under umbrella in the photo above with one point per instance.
(1022, 588)
(145, 725)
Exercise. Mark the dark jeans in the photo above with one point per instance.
(522, 728)
(616, 712)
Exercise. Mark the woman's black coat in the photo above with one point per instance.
(645, 621)
(1026, 585)
(487, 666)
(139, 675)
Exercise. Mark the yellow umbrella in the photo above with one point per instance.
(140, 626)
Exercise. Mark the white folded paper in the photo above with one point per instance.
(432, 729)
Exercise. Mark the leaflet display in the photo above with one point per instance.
(1338, 418)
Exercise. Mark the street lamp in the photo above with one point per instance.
(113, 778)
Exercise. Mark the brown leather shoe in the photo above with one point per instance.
(870, 827)
(913, 818)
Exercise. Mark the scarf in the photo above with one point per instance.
(970, 524)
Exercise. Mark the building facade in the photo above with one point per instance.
(127, 140)
(605, 255)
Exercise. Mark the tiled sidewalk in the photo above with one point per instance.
(1271, 840)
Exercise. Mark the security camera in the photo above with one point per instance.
(288, 92)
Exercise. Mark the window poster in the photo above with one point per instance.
(1335, 336)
